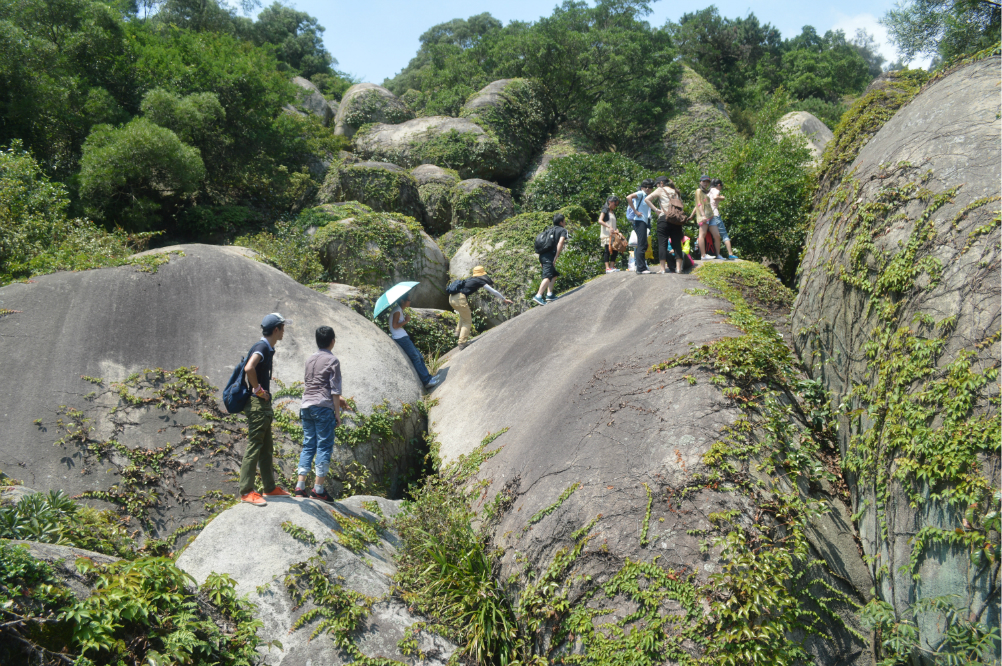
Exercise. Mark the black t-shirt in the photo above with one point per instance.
(473, 284)
(263, 368)
(558, 233)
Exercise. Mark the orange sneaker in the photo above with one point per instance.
(277, 491)
(253, 498)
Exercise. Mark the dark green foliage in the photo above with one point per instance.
(582, 57)
(746, 60)
(519, 121)
(54, 518)
(298, 40)
(944, 29)
(128, 174)
(585, 181)
(35, 235)
(381, 189)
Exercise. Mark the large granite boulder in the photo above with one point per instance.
(298, 545)
(312, 101)
(379, 185)
(513, 111)
(815, 132)
(617, 482)
(368, 103)
(100, 362)
(480, 203)
(434, 186)
(380, 250)
(453, 143)
(697, 128)
(898, 315)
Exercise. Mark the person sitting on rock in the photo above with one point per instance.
(607, 224)
(478, 279)
(320, 413)
(397, 322)
(548, 260)
(260, 414)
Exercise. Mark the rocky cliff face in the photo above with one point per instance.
(899, 316)
(645, 485)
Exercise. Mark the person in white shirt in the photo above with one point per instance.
(607, 224)
(397, 322)
(716, 224)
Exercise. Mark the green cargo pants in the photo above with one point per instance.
(259, 446)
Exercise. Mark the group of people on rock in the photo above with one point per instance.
(323, 404)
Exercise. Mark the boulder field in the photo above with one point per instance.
(76, 347)
(898, 315)
(609, 461)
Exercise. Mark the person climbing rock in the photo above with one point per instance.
(716, 224)
(320, 413)
(397, 322)
(548, 260)
(638, 211)
(460, 301)
(607, 225)
(259, 415)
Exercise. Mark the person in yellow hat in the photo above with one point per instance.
(459, 293)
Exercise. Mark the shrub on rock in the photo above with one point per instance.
(381, 186)
(368, 103)
(697, 128)
(565, 141)
(480, 203)
(379, 250)
(585, 181)
(512, 110)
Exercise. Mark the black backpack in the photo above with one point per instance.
(455, 287)
(237, 392)
(546, 241)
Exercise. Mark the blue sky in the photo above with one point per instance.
(375, 39)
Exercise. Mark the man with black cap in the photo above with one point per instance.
(260, 414)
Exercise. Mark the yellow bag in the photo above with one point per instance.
(649, 255)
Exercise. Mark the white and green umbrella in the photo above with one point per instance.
(392, 296)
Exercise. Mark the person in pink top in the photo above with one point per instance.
(716, 224)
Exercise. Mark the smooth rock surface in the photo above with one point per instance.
(946, 137)
(261, 569)
(368, 103)
(454, 143)
(813, 130)
(571, 382)
(312, 101)
(202, 309)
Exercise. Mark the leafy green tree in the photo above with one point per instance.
(298, 39)
(866, 45)
(584, 180)
(943, 28)
(826, 67)
(128, 174)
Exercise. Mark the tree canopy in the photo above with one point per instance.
(943, 29)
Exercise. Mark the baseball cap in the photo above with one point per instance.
(273, 320)
(703, 177)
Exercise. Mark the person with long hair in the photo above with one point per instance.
(667, 231)
(607, 224)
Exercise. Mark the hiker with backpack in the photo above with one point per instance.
(258, 410)
(320, 414)
(667, 201)
(549, 244)
(459, 293)
(638, 211)
(702, 212)
(716, 224)
(397, 322)
(608, 232)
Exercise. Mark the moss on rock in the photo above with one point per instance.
(368, 103)
(381, 186)
(479, 203)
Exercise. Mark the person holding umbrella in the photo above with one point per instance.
(397, 297)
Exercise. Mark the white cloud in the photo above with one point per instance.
(850, 24)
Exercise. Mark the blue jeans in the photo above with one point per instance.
(719, 224)
(318, 439)
(415, 356)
